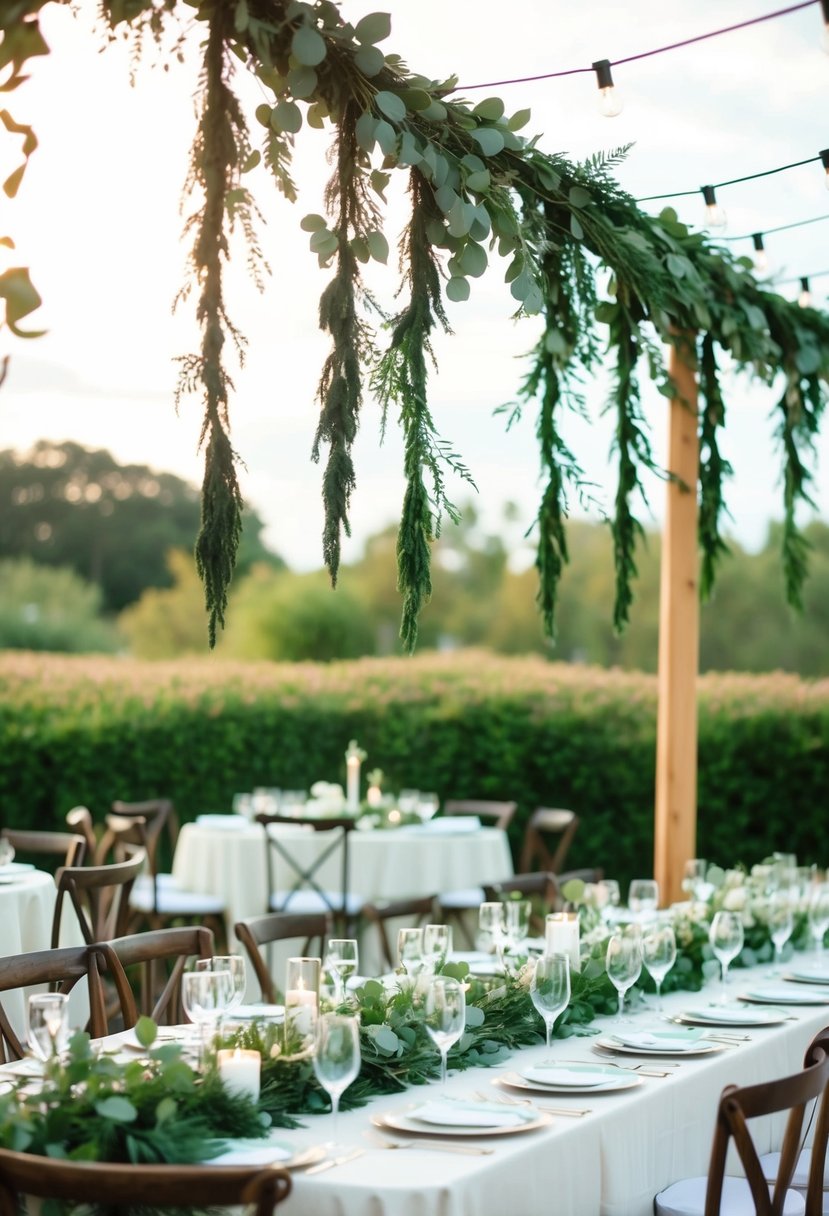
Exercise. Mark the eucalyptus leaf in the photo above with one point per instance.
(417, 100)
(302, 82)
(479, 182)
(378, 246)
(386, 137)
(457, 289)
(286, 116)
(312, 222)
(316, 115)
(308, 46)
(575, 228)
(490, 109)
(146, 1031)
(473, 260)
(370, 60)
(117, 1108)
(579, 197)
(435, 112)
(446, 198)
(374, 27)
(519, 119)
(365, 130)
(391, 105)
(489, 140)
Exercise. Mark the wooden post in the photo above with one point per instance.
(675, 824)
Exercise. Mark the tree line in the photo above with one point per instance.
(98, 556)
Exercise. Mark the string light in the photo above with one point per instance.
(610, 102)
(715, 217)
(805, 297)
(824, 4)
(824, 155)
(761, 258)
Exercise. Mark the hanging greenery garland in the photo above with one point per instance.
(476, 185)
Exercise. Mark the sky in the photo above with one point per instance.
(98, 220)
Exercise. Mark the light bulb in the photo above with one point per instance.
(805, 297)
(610, 101)
(761, 259)
(715, 217)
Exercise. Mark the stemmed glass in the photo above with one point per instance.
(235, 964)
(410, 951)
(427, 806)
(48, 1024)
(624, 964)
(205, 996)
(643, 897)
(444, 1009)
(659, 955)
(341, 960)
(437, 944)
(781, 925)
(550, 989)
(490, 938)
(818, 912)
(726, 937)
(336, 1057)
(611, 897)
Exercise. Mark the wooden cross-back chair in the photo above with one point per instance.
(544, 822)
(118, 1188)
(418, 911)
(146, 969)
(99, 896)
(541, 889)
(495, 814)
(64, 848)
(456, 905)
(719, 1194)
(254, 932)
(61, 970)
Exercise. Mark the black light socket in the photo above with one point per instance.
(604, 76)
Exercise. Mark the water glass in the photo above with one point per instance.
(205, 996)
(609, 897)
(643, 897)
(517, 914)
(336, 1057)
(490, 938)
(727, 938)
(818, 912)
(427, 806)
(408, 801)
(624, 964)
(235, 964)
(659, 955)
(550, 989)
(437, 946)
(341, 961)
(410, 950)
(444, 1010)
(48, 1024)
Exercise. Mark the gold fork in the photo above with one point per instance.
(503, 1100)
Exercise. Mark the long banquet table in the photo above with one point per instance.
(608, 1162)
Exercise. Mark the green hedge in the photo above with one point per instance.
(89, 730)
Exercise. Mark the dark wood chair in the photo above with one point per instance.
(541, 889)
(61, 970)
(145, 970)
(494, 814)
(719, 1194)
(64, 848)
(258, 931)
(99, 896)
(418, 911)
(545, 822)
(118, 1188)
(303, 893)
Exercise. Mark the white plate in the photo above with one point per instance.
(796, 994)
(270, 1013)
(402, 1120)
(611, 1079)
(729, 1017)
(697, 1047)
(805, 975)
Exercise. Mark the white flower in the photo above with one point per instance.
(735, 899)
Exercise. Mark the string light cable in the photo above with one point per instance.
(610, 103)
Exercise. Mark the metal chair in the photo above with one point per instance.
(719, 1194)
(305, 893)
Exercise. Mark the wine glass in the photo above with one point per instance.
(427, 806)
(444, 1009)
(336, 1057)
(6, 851)
(408, 801)
(205, 996)
(624, 964)
(235, 964)
(410, 950)
(659, 955)
(490, 939)
(341, 961)
(48, 1024)
(818, 912)
(550, 989)
(437, 944)
(726, 937)
(517, 914)
(781, 925)
(609, 898)
(643, 897)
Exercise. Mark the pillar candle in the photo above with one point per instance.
(239, 1071)
(353, 782)
(562, 936)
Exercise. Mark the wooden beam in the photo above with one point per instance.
(675, 826)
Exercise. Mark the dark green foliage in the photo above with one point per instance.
(74, 731)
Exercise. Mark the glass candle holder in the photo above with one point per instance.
(562, 937)
(302, 1000)
(240, 1071)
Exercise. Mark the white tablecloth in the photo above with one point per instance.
(230, 861)
(610, 1162)
(27, 904)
